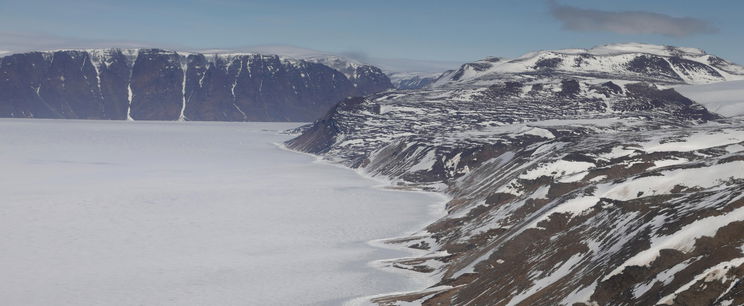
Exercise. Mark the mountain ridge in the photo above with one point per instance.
(631, 61)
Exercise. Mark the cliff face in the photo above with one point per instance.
(153, 84)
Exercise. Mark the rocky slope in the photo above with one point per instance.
(153, 84)
(570, 185)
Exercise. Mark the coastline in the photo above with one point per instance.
(435, 211)
(212, 214)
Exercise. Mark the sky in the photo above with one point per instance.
(435, 30)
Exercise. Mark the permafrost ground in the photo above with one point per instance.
(152, 213)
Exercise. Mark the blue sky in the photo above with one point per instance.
(428, 30)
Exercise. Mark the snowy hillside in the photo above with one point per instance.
(586, 183)
(630, 62)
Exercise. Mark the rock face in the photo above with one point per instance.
(367, 79)
(566, 188)
(153, 84)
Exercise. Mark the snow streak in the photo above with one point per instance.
(129, 90)
(184, 68)
(232, 90)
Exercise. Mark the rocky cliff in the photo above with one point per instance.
(153, 84)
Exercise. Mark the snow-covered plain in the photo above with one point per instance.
(183, 213)
(724, 98)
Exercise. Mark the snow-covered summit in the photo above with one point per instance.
(630, 62)
(625, 48)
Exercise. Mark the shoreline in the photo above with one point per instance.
(212, 214)
(435, 211)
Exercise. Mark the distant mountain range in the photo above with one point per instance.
(576, 177)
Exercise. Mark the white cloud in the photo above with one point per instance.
(628, 22)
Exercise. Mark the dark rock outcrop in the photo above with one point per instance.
(369, 79)
(156, 84)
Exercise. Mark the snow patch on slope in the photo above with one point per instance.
(682, 240)
(714, 273)
(695, 141)
(425, 163)
(560, 168)
(705, 177)
(573, 207)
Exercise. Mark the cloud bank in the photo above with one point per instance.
(628, 22)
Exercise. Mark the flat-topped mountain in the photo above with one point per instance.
(154, 84)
